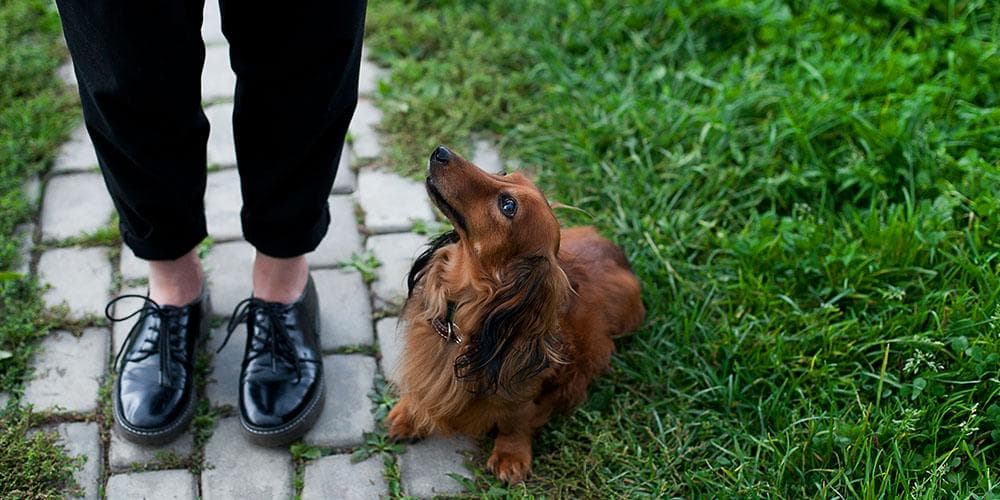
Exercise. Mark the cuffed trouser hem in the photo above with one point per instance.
(283, 241)
(170, 248)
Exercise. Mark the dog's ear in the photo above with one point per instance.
(517, 336)
(419, 265)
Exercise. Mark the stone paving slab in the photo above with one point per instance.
(68, 371)
(78, 277)
(122, 308)
(335, 476)
(240, 470)
(75, 204)
(132, 267)
(123, 454)
(369, 77)
(4, 399)
(67, 74)
(347, 410)
(221, 146)
(395, 252)
(362, 129)
(486, 157)
(32, 190)
(345, 309)
(223, 382)
(346, 180)
(424, 467)
(77, 153)
(223, 201)
(342, 238)
(211, 25)
(153, 485)
(24, 234)
(228, 266)
(390, 202)
(83, 438)
(390, 335)
(217, 78)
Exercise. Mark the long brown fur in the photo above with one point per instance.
(536, 308)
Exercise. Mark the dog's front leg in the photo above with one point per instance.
(511, 457)
(401, 422)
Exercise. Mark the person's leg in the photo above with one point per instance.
(296, 90)
(138, 65)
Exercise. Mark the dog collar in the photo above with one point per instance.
(447, 328)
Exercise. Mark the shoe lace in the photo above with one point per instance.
(273, 338)
(162, 345)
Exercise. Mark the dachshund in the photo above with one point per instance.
(508, 317)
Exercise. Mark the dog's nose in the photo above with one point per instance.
(441, 155)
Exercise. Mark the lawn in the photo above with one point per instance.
(808, 192)
(36, 111)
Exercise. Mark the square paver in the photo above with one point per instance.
(77, 277)
(32, 190)
(211, 25)
(153, 485)
(229, 266)
(425, 466)
(24, 235)
(77, 153)
(342, 238)
(223, 201)
(221, 147)
(123, 454)
(395, 253)
(362, 129)
(68, 371)
(346, 179)
(391, 203)
(240, 470)
(217, 78)
(345, 308)
(336, 476)
(347, 410)
(122, 308)
(486, 156)
(391, 340)
(84, 439)
(74, 205)
(224, 382)
(67, 74)
(132, 267)
(369, 78)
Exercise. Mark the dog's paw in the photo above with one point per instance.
(511, 468)
(400, 424)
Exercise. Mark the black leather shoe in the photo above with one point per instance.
(281, 381)
(154, 396)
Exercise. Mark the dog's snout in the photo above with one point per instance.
(441, 156)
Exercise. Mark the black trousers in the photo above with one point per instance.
(138, 64)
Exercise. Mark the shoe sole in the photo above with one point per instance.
(286, 434)
(166, 434)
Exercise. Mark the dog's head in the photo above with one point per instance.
(501, 217)
(507, 239)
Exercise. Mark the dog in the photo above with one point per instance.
(508, 317)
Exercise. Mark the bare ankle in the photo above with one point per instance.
(176, 282)
(279, 280)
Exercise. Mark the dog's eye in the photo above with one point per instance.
(508, 206)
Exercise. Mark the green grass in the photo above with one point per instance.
(808, 192)
(36, 112)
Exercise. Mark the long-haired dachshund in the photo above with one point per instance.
(508, 318)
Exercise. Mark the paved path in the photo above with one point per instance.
(360, 336)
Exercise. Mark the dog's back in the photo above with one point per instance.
(606, 289)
